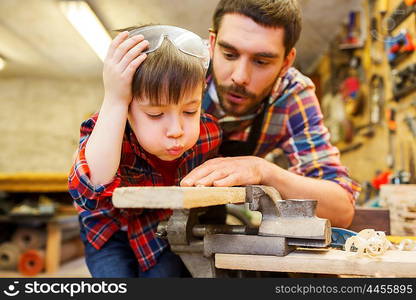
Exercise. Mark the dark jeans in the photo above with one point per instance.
(117, 260)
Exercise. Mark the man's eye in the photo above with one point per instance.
(154, 116)
(228, 55)
(261, 62)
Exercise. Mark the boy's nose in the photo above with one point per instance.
(175, 128)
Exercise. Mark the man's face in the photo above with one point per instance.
(247, 59)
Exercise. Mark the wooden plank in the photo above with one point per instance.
(393, 263)
(53, 247)
(401, 201)
(176, 197)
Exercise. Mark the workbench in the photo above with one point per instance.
(393, 263)
(289, 222)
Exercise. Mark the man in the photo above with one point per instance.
(263, 103)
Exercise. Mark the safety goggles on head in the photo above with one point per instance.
(184, 40)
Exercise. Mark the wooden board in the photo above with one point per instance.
(176, 197)
(393, 263)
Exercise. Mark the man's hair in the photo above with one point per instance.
(268, 13)
(166, 75)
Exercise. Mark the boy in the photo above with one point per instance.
(148, 132)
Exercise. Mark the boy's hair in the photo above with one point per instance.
(166, 75)
(269, 13)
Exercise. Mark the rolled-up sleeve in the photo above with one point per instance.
(85, 194)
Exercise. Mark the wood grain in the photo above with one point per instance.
(393, 263)
(176, 197)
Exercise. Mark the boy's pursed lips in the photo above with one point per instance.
(175, 150)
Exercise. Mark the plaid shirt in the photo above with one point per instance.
(294, 123)
(93, 202)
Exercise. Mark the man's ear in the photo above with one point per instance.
(288, 62)
(212, 39)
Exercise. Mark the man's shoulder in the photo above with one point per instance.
(292, 83)
(294, 80)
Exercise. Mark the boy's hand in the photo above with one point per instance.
(123, 58)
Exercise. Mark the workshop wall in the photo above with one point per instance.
(40, 120)
(369, 108)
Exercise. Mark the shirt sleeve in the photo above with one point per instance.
(308, 147)
(85, 194)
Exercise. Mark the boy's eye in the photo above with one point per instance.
(154, 116)
(190, 112)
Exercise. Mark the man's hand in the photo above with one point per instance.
(334, 203)
(228, 171)
(123, 58)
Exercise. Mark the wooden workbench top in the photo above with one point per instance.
(393, 263)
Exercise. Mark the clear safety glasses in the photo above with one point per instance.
(184, 40)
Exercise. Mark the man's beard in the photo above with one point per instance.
(253, 99)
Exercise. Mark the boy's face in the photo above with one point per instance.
(167, 131)
(247, 59)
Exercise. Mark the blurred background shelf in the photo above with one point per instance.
(34, 182)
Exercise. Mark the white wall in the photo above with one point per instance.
(40, 120)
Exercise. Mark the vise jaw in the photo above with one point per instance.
(285, 224)
(294, 219)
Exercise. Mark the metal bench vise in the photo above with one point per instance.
(285, 225)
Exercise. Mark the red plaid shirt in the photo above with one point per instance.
(94, 204)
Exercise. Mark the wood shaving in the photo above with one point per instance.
(407, 245)
(367, 242)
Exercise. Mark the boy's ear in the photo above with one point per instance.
(212, 39)
(288, 62)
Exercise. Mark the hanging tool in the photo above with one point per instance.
(404, 81)
(412, 166)
(392, 127)
(411, 123)
(377, 99)
(402, 11)
(399, 46)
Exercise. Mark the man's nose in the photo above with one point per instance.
(241, 73)
(174, 127)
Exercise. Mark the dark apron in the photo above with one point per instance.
(243, 148)
(217, 214)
